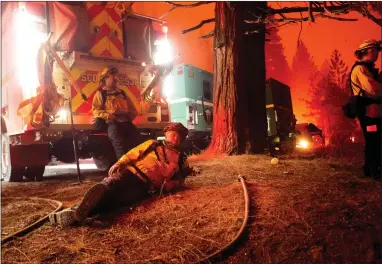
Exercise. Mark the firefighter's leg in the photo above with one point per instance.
(132, 191)
(90, 201)
(103, 196)
(379, 149)
(63, 218)
(117, 138)
(128, 190)
(79, 213)
(368, 155)
(133, 139)
(366, 166)
(375, 151)
(371, 129)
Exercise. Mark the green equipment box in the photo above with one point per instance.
(191, 99)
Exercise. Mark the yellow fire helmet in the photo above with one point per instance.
(108, 71)
(370, 43)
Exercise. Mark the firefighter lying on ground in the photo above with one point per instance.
(114, 112)
(365, 82)
(153, 166)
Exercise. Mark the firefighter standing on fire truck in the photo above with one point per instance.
(365, 81)
(149, 167)
(114, 112)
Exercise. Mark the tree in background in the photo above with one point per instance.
(316, 95)
(338, 71)
(276, 64)
(303, 71)
(239, 123)
(328, 94)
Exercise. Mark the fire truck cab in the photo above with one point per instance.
(87, 37)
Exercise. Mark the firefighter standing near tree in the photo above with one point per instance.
(365, 81)
(153, 166)
(114, 112)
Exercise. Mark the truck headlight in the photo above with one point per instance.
(303, 143)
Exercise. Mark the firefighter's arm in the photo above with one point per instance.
(130, 112)
(368, 83)
(171, 173)
(186, 169)
(178, 179)
(97, 110)
(177, 174)
(181, 170)
(129, 157)
(174, 185)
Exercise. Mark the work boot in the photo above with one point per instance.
(91, 199)
(63, 218)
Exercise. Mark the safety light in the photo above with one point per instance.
(163, 52)
(63, 115)
(28, 41)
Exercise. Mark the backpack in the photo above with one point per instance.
(356, 105)
(104, 95)
(99, 123)
(182, 173)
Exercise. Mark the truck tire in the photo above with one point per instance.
(8, 173)
(104, 162)
(63, 150)
(35, 173)
(104, 156)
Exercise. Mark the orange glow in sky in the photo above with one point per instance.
(321, 37)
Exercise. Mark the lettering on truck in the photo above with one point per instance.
(123, 79)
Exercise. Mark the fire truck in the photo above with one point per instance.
(38, 123)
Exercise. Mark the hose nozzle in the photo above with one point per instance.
(240, 177)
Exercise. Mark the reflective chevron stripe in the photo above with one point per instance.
(87, 81)
(103, 22)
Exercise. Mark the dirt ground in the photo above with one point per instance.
(303, 210)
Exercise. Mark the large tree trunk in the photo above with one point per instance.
(240, 123)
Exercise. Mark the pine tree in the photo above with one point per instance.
(276, 64)
(317, 94)
(303, 71)
(338, 74)
(327, 96)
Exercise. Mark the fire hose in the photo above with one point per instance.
(35, 224)
(205, 259)
(241, 230)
